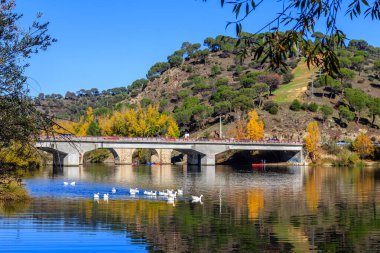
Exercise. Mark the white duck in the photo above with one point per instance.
(105, 196)
(65, 183)
(160, 193)
(148, 193)
(96, 196)
(196, 198)
(133, 191)
(72, 183)
(113, 190)
(180, 192)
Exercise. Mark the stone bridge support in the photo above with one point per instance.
(123, 155)
(163, 156)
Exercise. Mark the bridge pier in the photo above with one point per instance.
(298, 158)
(192, 157)
(61, 159)
(123, 155)
(208, 159)
(165, 156)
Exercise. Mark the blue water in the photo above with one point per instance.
(279, 209)
(26, 234)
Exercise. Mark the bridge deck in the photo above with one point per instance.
(117, 139)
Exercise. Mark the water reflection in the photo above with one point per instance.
(273, 209)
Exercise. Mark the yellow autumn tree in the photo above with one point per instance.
(173, 130)
(255, 126)
(65, 127)
(84, 123)
(363, 145)
(140, 122)
(313, 140)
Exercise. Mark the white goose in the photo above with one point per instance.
(96, 196)
(160, 193)
(180, 192)
(196, 198)
(105, 196)
(150, 193)
(113, 190)
(133, 191)
(72, 183)
(65, 183)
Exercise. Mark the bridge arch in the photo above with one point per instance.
(152, 155)
(61, 158)
(112, 151)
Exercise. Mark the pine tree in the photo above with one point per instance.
(255, 126)
(93, 129)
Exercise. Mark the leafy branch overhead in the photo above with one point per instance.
(290, 30)
(20, 121)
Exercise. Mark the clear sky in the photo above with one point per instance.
(109, 43)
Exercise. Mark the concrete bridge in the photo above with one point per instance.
(69, 151)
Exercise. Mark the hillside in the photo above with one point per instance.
(198, 85)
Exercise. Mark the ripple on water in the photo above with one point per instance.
(276, 209)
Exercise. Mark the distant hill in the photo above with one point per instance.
(198, 84)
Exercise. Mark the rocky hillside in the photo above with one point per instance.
(200, 84)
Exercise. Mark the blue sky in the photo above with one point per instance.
(109, 43)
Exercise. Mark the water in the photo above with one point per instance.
(291, 209)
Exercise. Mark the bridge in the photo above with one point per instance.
(69, 151)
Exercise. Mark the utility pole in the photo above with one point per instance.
(220, 127)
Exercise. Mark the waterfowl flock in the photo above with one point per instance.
(169, 194)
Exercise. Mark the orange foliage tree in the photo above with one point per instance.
(313, 140)
(363, 146)
(255, 126)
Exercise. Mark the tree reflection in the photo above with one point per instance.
(330, 210)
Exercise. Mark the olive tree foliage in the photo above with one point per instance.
(20, 121)
(299, 18)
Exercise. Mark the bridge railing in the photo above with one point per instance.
(165, 139)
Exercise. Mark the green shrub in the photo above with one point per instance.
(145, 102)
(222, 81)
(163, 103)
(271, 107)
(200, 87)
(215, 70)
(346, 158)
(296, 105)
(326, 111)
(313, 107)
(183, 93)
